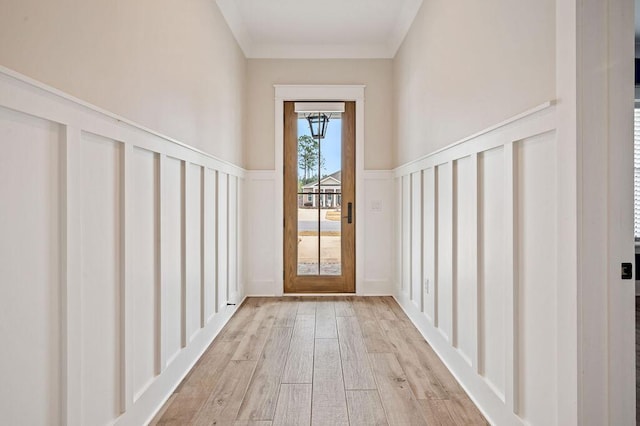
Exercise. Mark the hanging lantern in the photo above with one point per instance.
(318, 125)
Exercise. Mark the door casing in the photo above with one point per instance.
(285, 93)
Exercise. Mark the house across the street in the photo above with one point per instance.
(328, 191)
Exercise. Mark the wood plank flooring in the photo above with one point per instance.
(319, 361)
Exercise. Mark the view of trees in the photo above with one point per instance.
(308, 155)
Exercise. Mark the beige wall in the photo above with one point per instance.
(262, 74)
(466, 65)
(171, 66)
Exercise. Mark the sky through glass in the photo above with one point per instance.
(330, 145)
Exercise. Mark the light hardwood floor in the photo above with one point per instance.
(319, 361)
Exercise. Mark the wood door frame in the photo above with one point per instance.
(293, 282)
(285, 93)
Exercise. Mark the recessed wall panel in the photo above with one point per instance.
(416, 239)
(466, 262)
(233, 239)
(210, 255)
(193, 263)
(491, 255)
(29, 269)
(101, 248)
(261, 193)
(223, 240)
(378, 229)
(241, 279)
(445, 249)
(536, 260)
(429, 243)
(144, 214)
(172, 256)
(406, 234)
(398, 263)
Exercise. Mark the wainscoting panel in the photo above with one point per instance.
(400, 239)
(535, 312)
(430, 240)
(446, 229)
(193, 248)
(31, 293)
(240, 218)
(209, 246)
(416, 239)
(263, 275)
(102, 266)
(145, 222)
(232, 248)
(405, 226)
(466, 265)
(491, 275)
(488, 248)
(115, 242)
(172, 261)
(378, 232)
(223, 240)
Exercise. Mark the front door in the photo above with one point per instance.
(319, 197)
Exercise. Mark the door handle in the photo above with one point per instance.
(349, 215)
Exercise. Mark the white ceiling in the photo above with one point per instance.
(319, 28)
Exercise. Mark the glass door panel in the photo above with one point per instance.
(319, 209)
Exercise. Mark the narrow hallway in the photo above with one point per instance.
(320, 361)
